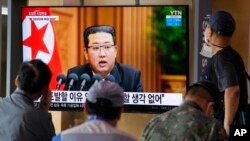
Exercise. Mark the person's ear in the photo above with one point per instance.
(17, 80)
(86, 54)
(115, 51)
(210, 109)
(209, 32)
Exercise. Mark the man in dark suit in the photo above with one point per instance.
(100, 51)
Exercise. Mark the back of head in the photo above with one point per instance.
(222, 23)
(105, 99)
(213, 92)
(96, 29)
(33, 76)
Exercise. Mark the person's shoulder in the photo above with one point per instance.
(81, 128)
(228, 52)
(234, 53)
(228, 56)
(159, 119)
(127, 67)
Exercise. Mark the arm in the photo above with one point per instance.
(228, 82)
(231, 98)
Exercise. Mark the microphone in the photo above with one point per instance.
(73, 78)
(84, 78)
(110, 78)
(96, 78)
(61, 78)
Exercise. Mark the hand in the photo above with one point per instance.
(45, 100)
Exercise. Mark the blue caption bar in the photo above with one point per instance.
(173, 20)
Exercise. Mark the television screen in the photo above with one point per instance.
(152, 39)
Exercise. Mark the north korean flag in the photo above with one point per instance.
(39, 40)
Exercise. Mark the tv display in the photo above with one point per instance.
(153, 39)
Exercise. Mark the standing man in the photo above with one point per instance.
(100, 52)
(226, 69)
(19, 119)
(191, 121)
(104, 106)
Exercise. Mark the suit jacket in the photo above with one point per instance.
(127, 77)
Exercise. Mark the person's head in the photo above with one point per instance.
(105, 99)
(220, 26)
(100, 48)
(33, 77)
(205, 94)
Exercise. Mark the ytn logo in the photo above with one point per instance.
(176, 12)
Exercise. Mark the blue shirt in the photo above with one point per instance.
(57, 138)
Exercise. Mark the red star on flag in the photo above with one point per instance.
(35, 40)
(39, 42)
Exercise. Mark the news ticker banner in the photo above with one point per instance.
(75, 99)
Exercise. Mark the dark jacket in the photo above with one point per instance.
(127, 77)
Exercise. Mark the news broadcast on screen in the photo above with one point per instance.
(152, 39)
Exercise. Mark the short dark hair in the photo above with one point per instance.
(211, 88)
(98, 28)
(34, 75)
(103, 107)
